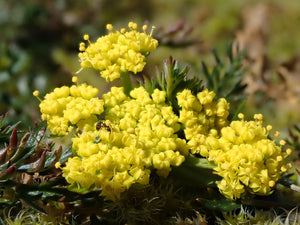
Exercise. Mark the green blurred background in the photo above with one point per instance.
(39, 46)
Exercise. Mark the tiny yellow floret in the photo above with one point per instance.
(123, 30)
(86, 37)
(74, 79)
(271, 183)
(289, 151)
(109, 27)
(241, 116)
(282, 142)
(258, 116)
(36, 93)
(276, 134)
(132, 25)
(57, 165)
(145, 27)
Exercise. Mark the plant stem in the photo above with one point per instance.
(126, 82)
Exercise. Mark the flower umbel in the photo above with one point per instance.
(247, 159)
(66, 107)
(117, 52)
(202, 117)
(141, 136)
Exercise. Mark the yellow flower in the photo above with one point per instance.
(71, 106)
(141, 136)
(117, 52)
(246, 159)
(151, 122)
(202, 117)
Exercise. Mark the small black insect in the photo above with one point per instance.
(101, 125)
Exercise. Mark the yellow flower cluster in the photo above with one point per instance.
(244, 156)
(246, 159)
(106, 160)
(117, 52)
(202, 117)
(138, 134)
(66, 107)
(151, 122)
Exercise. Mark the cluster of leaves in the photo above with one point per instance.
(26, 166)
(225, 78)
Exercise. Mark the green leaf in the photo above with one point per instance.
(76, 188)
(126, 81)
(172, 79)
(219, 204)
(193, 173)
(37, 134)
(27, 152)
(200, 162)
(67, 153)
(30, 199)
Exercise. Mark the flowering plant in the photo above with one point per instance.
(165, 128)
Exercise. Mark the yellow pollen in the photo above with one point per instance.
(75, 79)
(223, 183)
(271, 183)
(70, 129)
(132, 25)
(269, 127)
(86, 37)
(283, 169)
(109, 27)
(123, 30)
(289, 151)
(258, 116)
(145, 28)
(276, 134)
(130, 130)
(279, 158)
(57, 165)
(241, 116)
(36, 94)
(282, 142)
(289, 165)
